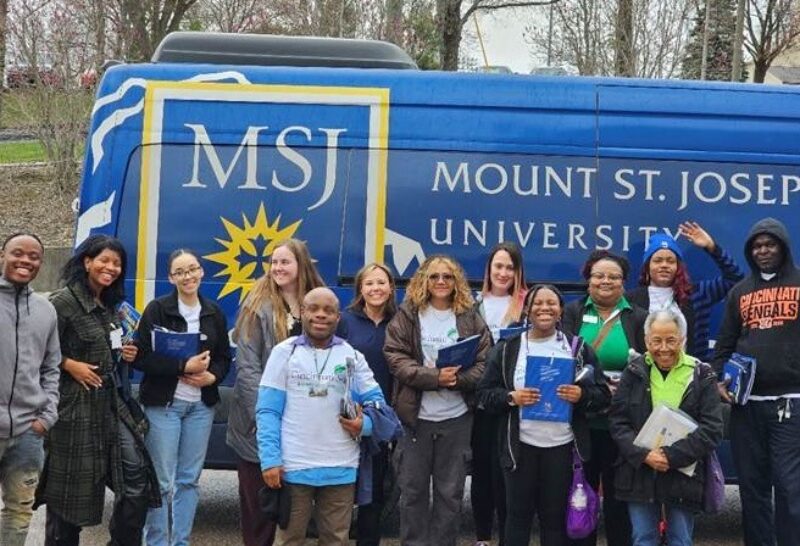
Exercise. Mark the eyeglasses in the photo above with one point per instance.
(182, 274)
(613, 277)
(669, 343)
(446, 277)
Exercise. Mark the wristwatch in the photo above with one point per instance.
(510, 399)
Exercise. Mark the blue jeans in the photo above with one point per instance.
(177, 443)
(644, 520)
(21, 461)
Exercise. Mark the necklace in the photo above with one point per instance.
(324, 364)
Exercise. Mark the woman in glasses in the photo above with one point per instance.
(652, 480)
(612, 327)
(433, 399)
(179, 396)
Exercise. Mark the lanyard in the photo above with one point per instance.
(324, 364)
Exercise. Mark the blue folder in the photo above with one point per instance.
(461, 353)
(180, 345)
(740, 372)
(546, 374)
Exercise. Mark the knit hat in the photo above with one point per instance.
(660, 241)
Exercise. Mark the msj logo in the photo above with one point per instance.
(232, 169)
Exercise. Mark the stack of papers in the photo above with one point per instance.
(461, 353)
(739, 372)
(129, 318)
(664, 427)
(180, 345)
(546, 374)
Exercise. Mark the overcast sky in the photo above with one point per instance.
(503, 37)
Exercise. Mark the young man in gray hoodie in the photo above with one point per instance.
(30, 357)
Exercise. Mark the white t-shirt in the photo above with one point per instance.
(311, 436)
(541, 433)
(438, 329)
(191, 315)
(494, 310)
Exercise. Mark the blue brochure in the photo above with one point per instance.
(740, 372)
(461, 353)
(511, 331)
(129, 319)
(546, 374)
(180, 345)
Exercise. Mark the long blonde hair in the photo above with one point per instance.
(417, 293)
(265, 290)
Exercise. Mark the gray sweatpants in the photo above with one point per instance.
(438, 451)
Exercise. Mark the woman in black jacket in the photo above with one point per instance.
(179, 396)
(649, 478)
(537, 455)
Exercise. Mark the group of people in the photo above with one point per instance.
(328, 401)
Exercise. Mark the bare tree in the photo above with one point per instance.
(584, 35)
(229, 15)
(453, 14)
(624, 54)
(55, 44)
(771, 27)
(138, 26)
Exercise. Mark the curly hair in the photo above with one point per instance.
(682, 287)
(518, 289)
(418, 295)
(266, 290)
(598, 255)
(390, 307)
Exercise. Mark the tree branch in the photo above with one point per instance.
(479, 5)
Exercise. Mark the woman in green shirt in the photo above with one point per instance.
(612, 326)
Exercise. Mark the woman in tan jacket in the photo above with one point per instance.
(433, 402)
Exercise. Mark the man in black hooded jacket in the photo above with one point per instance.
(762, 320)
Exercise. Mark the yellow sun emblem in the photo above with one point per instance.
(246, 254)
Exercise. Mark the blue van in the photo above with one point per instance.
(204, 148)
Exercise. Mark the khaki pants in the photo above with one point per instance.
(332, 506)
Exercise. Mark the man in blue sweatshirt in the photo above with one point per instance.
(30, 356)
(762, 320)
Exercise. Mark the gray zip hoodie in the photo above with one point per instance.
(30, 355)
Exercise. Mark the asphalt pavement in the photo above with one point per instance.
(217, 520)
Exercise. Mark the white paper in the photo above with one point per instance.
(115, 336)
(664, 427)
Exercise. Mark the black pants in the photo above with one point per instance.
(369, 515)
(615, 513)
(766, 452)
(539, 485)
(130, 504)
(256, 529)
(487, 490)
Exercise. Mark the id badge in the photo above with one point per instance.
(115, 337)
(318, 389)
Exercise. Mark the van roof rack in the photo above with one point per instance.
(271, 50)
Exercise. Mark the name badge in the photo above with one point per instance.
(589, 319)
(115, 336)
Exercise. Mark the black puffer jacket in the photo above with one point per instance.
(630, 408)
(498, 381)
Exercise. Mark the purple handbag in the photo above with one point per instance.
(582, 502)
(714, 486)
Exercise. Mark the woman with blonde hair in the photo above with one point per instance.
(433, 400)
(270, 314)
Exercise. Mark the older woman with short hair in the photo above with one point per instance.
(651, 478)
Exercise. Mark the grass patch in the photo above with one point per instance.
(21, 151)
